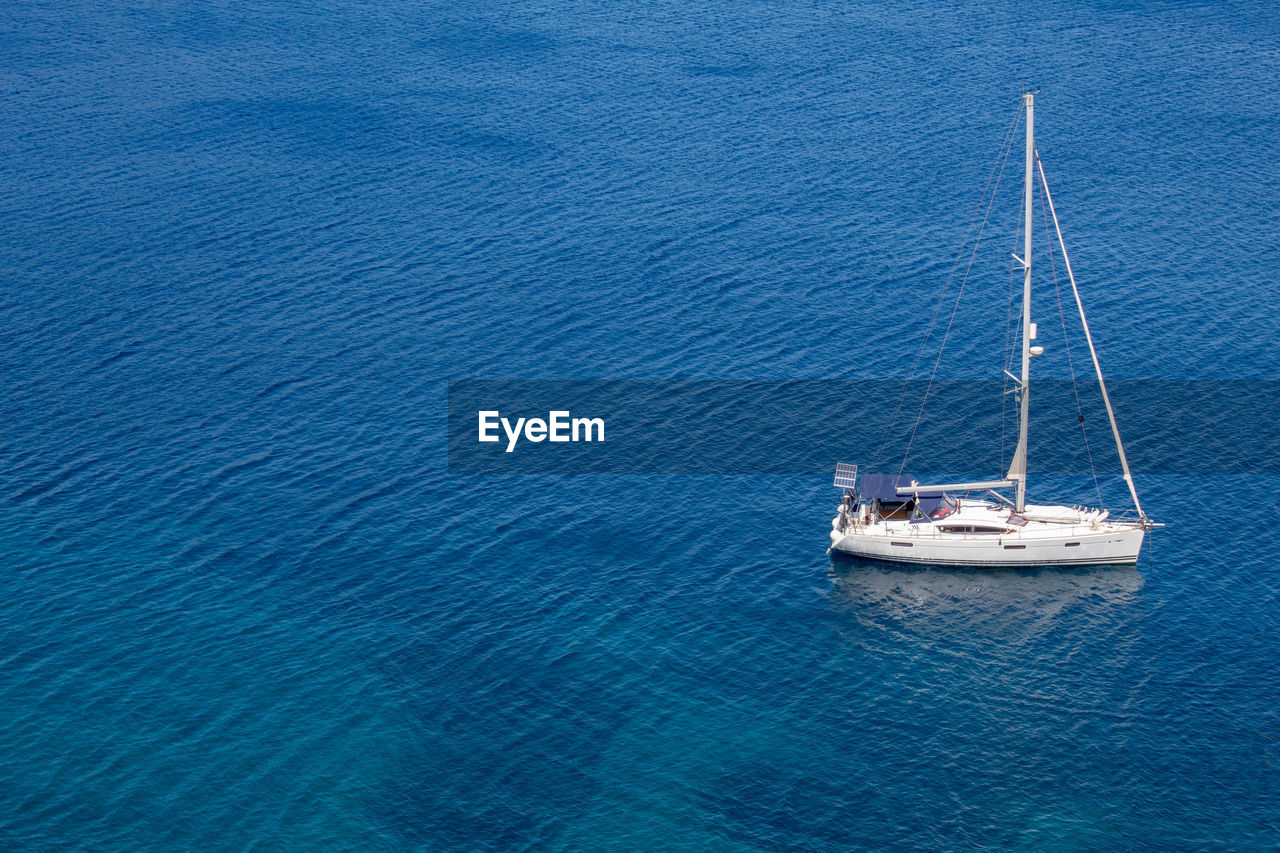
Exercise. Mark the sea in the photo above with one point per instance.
(248, 604)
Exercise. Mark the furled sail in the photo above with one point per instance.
(1018, 467)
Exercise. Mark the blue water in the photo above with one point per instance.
(244, 605)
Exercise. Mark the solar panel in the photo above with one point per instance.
(846, 475)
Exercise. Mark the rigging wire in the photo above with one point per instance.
(1093, 352)
(963, 281)
(1009, 339)
(996, 171)
(1062, 318)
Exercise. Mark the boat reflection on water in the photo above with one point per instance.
(974, 595)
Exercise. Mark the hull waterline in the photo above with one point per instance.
(1116, 545)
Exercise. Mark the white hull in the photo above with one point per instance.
(1088, 541)
(893, 517)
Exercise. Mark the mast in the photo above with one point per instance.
(1018, 467)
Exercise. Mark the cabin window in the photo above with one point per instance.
(974, 528)
(1014, 547)
(1071, 545)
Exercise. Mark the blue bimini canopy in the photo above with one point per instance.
(884, 486)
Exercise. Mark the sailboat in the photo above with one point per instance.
(893, 517)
